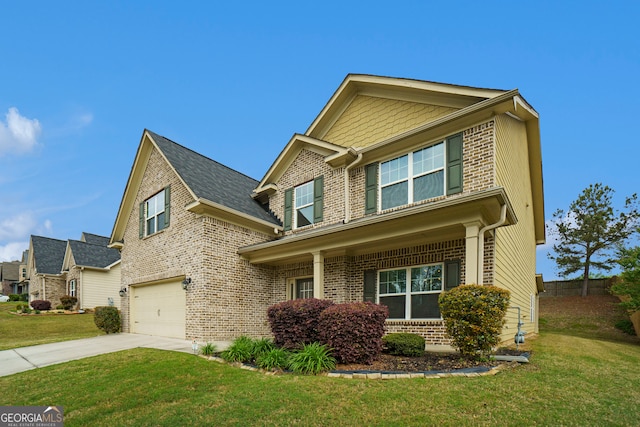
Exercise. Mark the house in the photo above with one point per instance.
(92, 271)
(397, 191)
(9, 276)
(86, 269)
(44, 269)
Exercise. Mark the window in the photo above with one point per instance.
(304, 288)
(304, 204)
(411, 293)
(72, 287)
(424, 174)
(154, 213)
(413, 177)
(300, 288)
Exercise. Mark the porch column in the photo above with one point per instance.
(318, 274)
(471, 252)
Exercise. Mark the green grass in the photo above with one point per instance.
(572, 381)
(21, 331)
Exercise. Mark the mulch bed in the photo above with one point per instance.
(428, 362)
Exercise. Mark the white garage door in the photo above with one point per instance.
(159, 310)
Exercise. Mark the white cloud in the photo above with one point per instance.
(13, 251)
(17, 227)
(19, 134)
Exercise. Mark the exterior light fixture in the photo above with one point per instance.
(123, 291)
(186, 282)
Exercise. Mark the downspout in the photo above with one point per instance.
(347, 208)
(502, 220)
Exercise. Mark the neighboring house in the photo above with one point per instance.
(9, 277)
(44, 269)
(399, 190)
(92, 271)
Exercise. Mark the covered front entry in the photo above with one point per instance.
(159, 309)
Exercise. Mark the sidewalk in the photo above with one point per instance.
(38, 356)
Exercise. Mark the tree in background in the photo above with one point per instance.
(589, 230)
(629, 280)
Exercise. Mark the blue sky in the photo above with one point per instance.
(79, 81)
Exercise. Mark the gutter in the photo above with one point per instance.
(347, 207)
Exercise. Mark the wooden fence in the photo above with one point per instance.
(562, 288)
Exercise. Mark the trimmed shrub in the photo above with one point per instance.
(474, 316)
(14, 297)
(295, 323)
(24, 297)
(313, 359)
(41, 304)
(354, 330)
(107, 319)
(68, 301)
(19, 307)
(241, 350)
(274, 359)
(404, 344)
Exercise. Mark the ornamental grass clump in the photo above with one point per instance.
(473, 317)
(209, 349)
(276, 359)
(241, 350)
(312, 359)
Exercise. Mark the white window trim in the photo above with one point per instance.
(159, 211)
(296, 207)
(410, 176)
(407, 293)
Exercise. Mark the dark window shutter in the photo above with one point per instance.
(318, 195)
(370, 280)
(452, 274)
(454, 164)
(371, 188)
(141, 222)
(167, 206)
(288, 208)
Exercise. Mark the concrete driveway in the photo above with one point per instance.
(37, 356)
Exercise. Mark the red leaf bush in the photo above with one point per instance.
(354, 330)
(295, 322)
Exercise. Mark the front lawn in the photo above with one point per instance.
(572, 381)
(21, 331)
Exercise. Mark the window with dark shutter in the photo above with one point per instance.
(371, 188)
(454, 164)
(288, 208)
(452, 274)
(370, 279)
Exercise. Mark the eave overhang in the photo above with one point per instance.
(335, 155)
(426, 223)
(207, 207)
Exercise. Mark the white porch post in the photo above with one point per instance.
(318, 274)
(471, 252)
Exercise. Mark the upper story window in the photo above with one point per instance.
(423, 174)
(154, 213)
(413, 177)
(304, 204)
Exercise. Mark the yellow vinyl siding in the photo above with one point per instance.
(98, 286)
(515, 248)
(368, 120)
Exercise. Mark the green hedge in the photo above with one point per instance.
(107, 319)
(404, 344)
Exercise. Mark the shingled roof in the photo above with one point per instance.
(10, 271)
(93, 255)
(48, 254)
(213, 181)
(94, 239)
